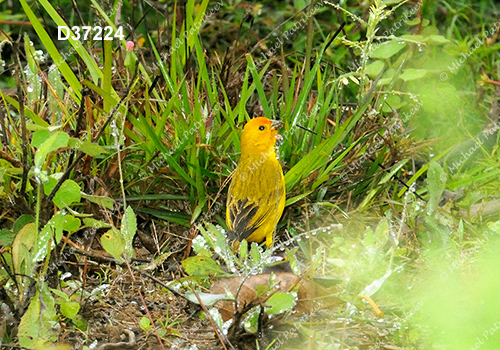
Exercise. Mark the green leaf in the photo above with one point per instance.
(69, 308)
(80, 323)
(413, 22)
(30, 52)
(105, 202)
(39, 137)
(52, 49)
(368, 241)
(56, 141)
(95, 223)
(24, 241)
(280, 302)
(255, 253)
(393, 102)
(145, 324)
(321, 154)
(387, 50)
(129, 228)
(54, 228)
(6, 237)
(437, 39)
(39, 324)
(391, 2)
(68, 193)
(413, 74)
(21, 222)
(200, 266)
(90, 63)
(257, 80)
(49, 185)
(92, 149)
(71, 224)
(59, 293)
(113, 242)
(374, 68)
(30, 325)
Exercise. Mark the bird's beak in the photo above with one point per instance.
(276, 124)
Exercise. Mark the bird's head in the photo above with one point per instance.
(259, 135)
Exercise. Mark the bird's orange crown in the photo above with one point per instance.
(259, 135)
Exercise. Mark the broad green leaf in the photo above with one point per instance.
(30, 324)
(106, 202)
(54, 228)
(129, 228)
(280, 302)
(199, 266)
(113, 242)
(39, 325)
(413, 21)
(413, 74)
(6, 237)
(49, 185)
(56, 141)
(21, 246)
(387, 50)
(92, 149)
(368, 241)
(21, 221)
(39, 137)
(71, 224)
(68, 193)
(437, 39)
(69, 308)
(145, 324)
(393, 102)
(80, 323)
(374, 68)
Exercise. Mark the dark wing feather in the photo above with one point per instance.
(241, 215)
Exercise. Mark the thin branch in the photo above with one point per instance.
(20, 97)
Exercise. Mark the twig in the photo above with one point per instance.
(20, 97)
(222, 337)
(15, 162)
(5, 134)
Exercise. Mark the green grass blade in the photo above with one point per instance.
(53, 52)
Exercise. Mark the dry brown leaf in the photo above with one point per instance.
(310, 294)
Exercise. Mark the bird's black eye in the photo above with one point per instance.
(261, 127)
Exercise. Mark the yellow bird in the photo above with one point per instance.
(256, 196)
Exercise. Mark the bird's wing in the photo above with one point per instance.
(244, 218)
(248, 213)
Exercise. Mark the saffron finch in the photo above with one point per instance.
(256, 196)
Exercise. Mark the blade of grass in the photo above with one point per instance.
(54, 53)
